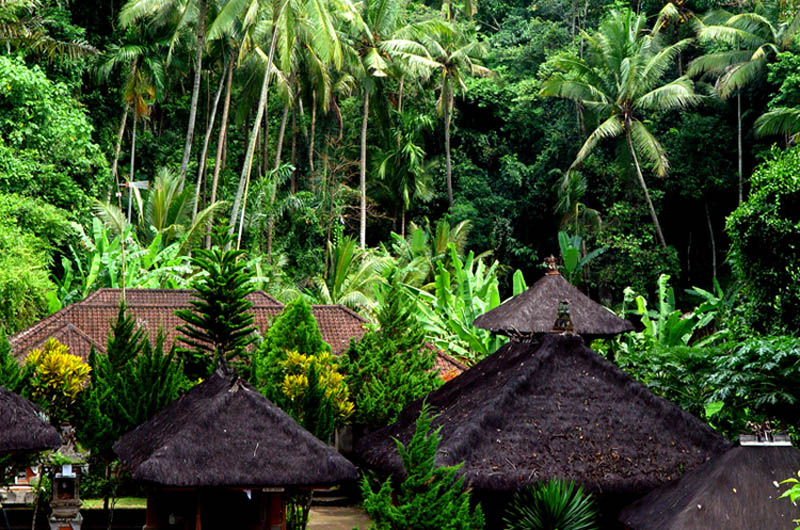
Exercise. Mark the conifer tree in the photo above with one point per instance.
(220, 327)
(430, 497)
(391, 367)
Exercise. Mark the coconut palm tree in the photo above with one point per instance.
(381, 37)
(754, 40)
(190, 16)
(619, 78)
(141, 54)
(455, 55)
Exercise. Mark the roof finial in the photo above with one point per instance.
(563, 323)
(552, 265)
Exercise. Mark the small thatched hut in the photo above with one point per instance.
(23, 427)
(531, 313)
(531, 412)
(736, 491)
(221, 456)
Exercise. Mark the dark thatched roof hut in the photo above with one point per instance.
(736, 491)
(533, 312)
(222, 455)
(223, 432)
(532, 411)
(23, 427)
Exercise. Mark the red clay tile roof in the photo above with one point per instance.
(87, 323)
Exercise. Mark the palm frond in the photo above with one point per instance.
(646, 144)
(782, 120)
(676, 94)
(740, 76)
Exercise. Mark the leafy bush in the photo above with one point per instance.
(295, 330)
(765, 238)
(315, 392)
(13, 377)
(430, 497)
(390, 367)
(57, 378)
(555, 505)
(792, 493)
(46, 149)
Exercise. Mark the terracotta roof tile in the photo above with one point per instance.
(87, 323)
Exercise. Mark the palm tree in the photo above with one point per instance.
(619, 78)
(403, 170)
(22, 27)
(279, 24)
(351, 276)
(141, 55)
(455, 55)
(754, 41)
(382, 37)
(190, 17)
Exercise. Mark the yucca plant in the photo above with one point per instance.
(555, 505)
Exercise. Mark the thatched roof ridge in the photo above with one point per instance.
(531, 412)
(23, 427)
(534, 312)
(224, 433)
(736, 491)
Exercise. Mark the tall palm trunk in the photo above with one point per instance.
(133, 164)
(223, 133)
(198, 70)
(448, 106)
(739, 138)
(274, 184)
(204, 152)
(362, 175)
(117, 150)
(642, 183)
(313, 132)
(281, 135)
(244, 179)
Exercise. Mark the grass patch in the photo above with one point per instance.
(123, 503)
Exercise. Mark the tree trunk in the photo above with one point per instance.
(293, 186)
(281, 134)
(313, 133)
(739, 123)
(244, 180)
(400, 94)
(642, 183)
(713, 243)
(223, 133)
(362, 175)
(204, 152)
(448, 107)
(117, 149)
(198, 70)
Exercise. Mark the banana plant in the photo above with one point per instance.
(457, 299)
(666, 325)
(575, 256)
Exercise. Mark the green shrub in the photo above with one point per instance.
(555, 505)
(430, 497)
(295, 330)
(389, 367)
(765, 241)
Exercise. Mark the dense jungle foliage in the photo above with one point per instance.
(416, 161)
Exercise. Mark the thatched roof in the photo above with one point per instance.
(530, 412)
(736, 491)
(534, 311)
(224, 433)
(86, 323)
(23, 427)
